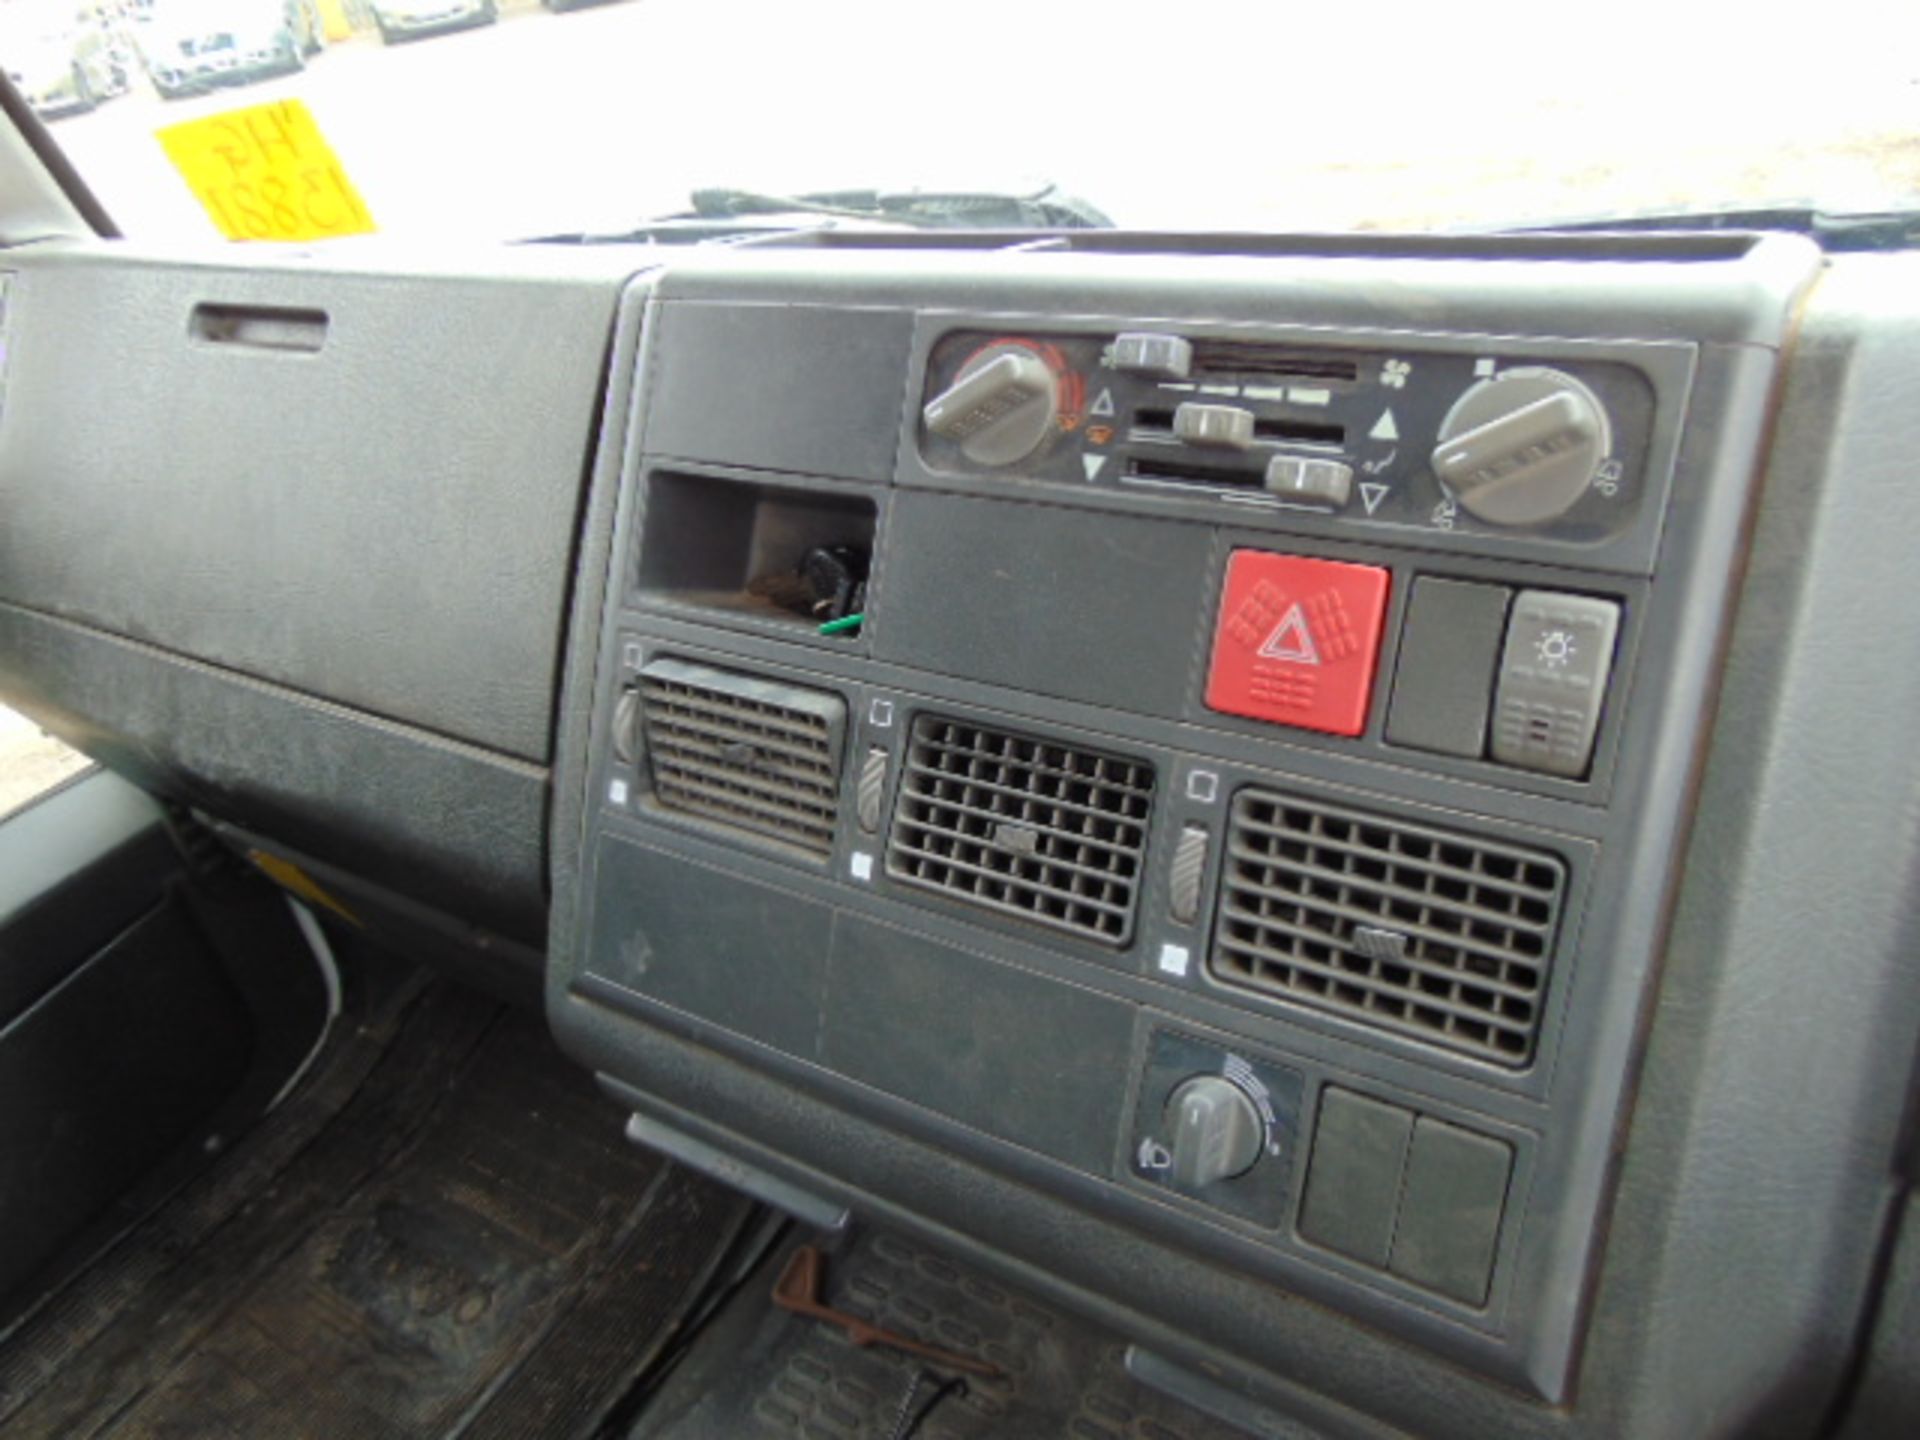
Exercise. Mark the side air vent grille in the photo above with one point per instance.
(1428, 933)
(750, 754)
(1048, 832)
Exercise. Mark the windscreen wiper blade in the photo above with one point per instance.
(690, 230)
(724, 215)
(1049, 208)
(1841, 230)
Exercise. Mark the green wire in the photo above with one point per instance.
(843, 624)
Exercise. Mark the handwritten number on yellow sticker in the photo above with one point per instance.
(266, 173)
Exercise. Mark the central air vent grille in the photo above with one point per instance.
(1239, 357)
(1049, 832)
(753, 755)
(1422, 932)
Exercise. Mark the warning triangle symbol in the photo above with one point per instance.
(1384, 428)
(1103, 404)
(1291, 640)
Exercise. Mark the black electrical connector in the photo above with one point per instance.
(836, 579)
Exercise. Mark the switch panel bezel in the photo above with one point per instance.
(1646, 381)
(963, 621)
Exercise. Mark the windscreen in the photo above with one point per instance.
(501, 119)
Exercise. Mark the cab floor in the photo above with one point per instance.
(443, 1233)
(763, 1373)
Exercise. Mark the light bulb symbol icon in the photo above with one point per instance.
(1555, 649)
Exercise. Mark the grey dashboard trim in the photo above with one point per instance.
(462, 825)
(1758, 1176)
(319, 592)
(621, 425)
(438, 437)
(1752, 1182)
(1638, 292)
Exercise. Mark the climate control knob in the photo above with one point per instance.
(1216, 1131)
(1521, 447)
(1000, 407)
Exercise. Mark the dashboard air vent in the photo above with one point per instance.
(1428, 933)
(1049, 832)
(754, 755)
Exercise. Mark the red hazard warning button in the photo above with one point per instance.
(1297, 641)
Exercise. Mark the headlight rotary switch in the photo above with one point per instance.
(1001, 405)
(1217, 1131)
(1521, 447)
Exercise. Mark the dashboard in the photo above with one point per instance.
(1267, 790)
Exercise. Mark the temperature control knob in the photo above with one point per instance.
(1521, 447)
(1001, 405)
(1216, 1130)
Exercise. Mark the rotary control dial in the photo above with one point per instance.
(1521, 447)
(1001, 406)
(1217, 1131)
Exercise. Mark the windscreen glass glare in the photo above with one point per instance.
(497, 119)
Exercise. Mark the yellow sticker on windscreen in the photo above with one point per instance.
(265, 172)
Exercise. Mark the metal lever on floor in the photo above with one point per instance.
(798, 1290)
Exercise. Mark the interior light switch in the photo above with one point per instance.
(1553, 679)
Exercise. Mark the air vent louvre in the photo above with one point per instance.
(1049, 832)
(1428, 933)
(754, 755)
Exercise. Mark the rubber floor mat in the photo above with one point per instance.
(444, 1234)
(762, 1373)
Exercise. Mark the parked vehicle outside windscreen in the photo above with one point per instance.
(64, 57)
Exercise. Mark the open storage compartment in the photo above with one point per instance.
(736, 547)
